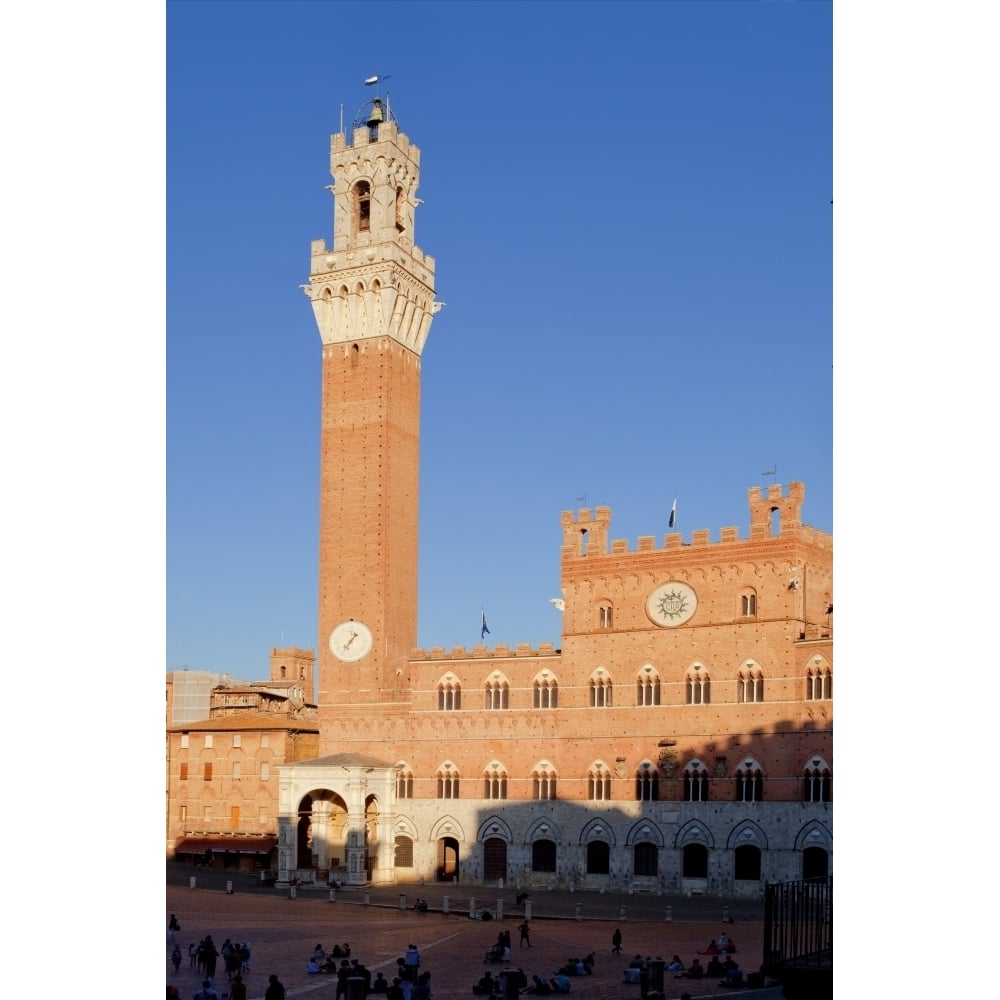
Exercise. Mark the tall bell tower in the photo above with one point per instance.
(373, 296)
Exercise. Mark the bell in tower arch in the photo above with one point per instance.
(377, 115)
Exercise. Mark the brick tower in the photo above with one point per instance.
(373, 296)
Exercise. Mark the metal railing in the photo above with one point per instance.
(798, 924)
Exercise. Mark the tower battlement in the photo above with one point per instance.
(773, 514)
(502, 651)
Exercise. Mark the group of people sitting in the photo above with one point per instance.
(320, 961)
(728, 972)
(496, 988)
(420, 906)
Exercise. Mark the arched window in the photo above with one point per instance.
(598, 783)
(600, 690)
(404, 782)
(598, 857)
(647, 783)
(746, 863)
(497, 693)
(750, 683)
(605, 615)
(819, 683)
(748, 604)
(749, 781)
(447, 781)
(543, 856)
(695, 861)
(545, 692)
(645, 859)
(697, 686)
(647, 687)
(543, 781)
(403, 857)
(363, 206)
(695, 782)
(495, 781)
(449, 695)
(817, 781)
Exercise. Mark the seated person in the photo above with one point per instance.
(520, 898)
(539, 985)
(712, 949)
(734, 976)
(312, 967)
(588, 963)
(560, 982)
(632, 975)
(329, 965)
(694, 971)
(636, 962)
(319, 954)
(730, 947)
(675, 964)
(715, 968)
(486, 986)
(380, 985)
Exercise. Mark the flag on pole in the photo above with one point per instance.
(484, 631)
(371, 81)
(673, 514)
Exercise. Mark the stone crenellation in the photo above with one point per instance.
(595, 524)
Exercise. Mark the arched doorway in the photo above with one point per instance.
(320, 831)
(815, 863)
(494, 859)
(447, 859)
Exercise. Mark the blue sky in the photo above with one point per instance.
(629, 205)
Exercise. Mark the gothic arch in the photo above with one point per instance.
(447, 826)
(694, 832)
(745, 833)
(644, 831)
(535, 831)
(814, 834)
(495, 826)
(598, 829)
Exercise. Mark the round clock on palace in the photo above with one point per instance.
(350, 641)
(672, 604)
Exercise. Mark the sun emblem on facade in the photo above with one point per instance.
(672, 604)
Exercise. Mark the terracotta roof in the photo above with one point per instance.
(344, 760)
(240, 845)
(244, 721)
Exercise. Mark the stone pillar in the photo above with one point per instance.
(621, 912)
(578, 915)
(669, 915)
(527, 909)
(500, 909)
(445, 905)
(402, 900)
(472, 907)
(655, 976)
(193, 882)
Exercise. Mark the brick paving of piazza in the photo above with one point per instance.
(282, 933)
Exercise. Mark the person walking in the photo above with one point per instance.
(207, 991)
(237, 988)
(525, 934)
(175, 957)
(616, 941)
(274, 991)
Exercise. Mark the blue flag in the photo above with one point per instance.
(673, 515)
(484, 632)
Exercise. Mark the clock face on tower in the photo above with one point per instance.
(350, 641)
(672, 604)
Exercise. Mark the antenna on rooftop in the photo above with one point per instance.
(772, 472)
